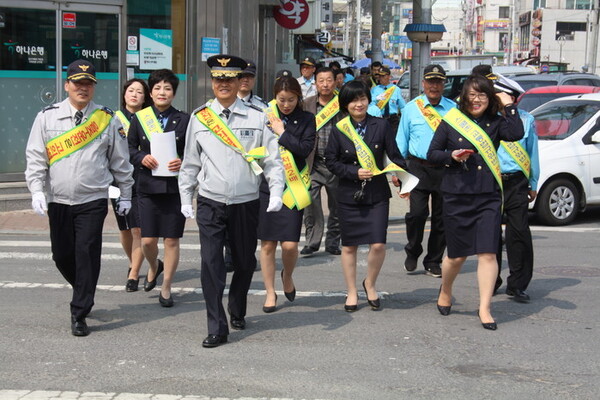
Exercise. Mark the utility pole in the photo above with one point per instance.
(377, 54)
(358, 30)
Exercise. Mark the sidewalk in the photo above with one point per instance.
(27, 221)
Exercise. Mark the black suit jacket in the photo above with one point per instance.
(341, 160)
(139, 147)
(478, 178)
(298, 137)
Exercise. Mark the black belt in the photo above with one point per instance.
(512, 175)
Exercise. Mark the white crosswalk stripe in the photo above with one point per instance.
(71, 395)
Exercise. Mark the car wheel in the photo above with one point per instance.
(558, 204)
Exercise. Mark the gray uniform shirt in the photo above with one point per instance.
(85, 175)
(220, 173)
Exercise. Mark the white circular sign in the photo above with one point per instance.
(323, 37)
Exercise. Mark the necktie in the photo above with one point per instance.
(163, 120)
(78, 117)
(386, 110)
(226, 113)
(361, 129)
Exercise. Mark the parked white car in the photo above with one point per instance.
(569, 144)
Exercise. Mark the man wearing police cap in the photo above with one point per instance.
(388, 98)
(228, 147)
(76, 149)
(420, 118)
(247, 81)
(520, 168)
(308, 67)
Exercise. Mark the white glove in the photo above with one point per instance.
(274, 204)
(123, 207)
(187, 210)
(38, 203)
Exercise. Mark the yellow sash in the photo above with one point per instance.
(124, 121)
(329, 111)
(432, 117)
(296, 193)
(387, 95)
(217, 127)
(478, 138)
(519, 154)
(77, 138)
(149, 122)
(363, 152)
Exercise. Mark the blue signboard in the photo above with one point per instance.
(210, 47)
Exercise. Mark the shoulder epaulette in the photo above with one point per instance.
(200, 108)
(254, 106)
(108, 111)
(53, 106)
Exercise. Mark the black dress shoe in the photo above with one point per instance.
(291, 296)
(79, 327)
(266, 309)
(308, 251)
(132, 285)
(410, 264)
(149, 285)
(165, 302)
(334, 251)
(350, 307)
(444, 310)
(375, 304)
(518, 295)
(492, 326)
(238, 323)
(214, 340)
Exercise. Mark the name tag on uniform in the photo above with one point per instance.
(245, 134)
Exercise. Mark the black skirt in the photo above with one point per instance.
(472, 223)
(160, 215)
(284, 225)
(364, 223)
(132, 219)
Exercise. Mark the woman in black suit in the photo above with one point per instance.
(158, 196)
(363, 198)
(472, 199)
(296, 132)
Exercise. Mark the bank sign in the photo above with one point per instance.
(156, 48)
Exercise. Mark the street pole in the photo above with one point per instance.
(377, 54)
(358, 29)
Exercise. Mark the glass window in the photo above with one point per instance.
(157, 27)
(503, 12)
(560, 120)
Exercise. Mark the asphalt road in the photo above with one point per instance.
(309, 349)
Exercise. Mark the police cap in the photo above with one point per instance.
(434, 71)
(250, 68)
(81, 69)
(224, 66)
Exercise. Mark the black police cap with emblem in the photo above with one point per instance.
(224, 66)
(484, 70)
(434, 71)
(250, 68)
(308, 61)
(81, 69)
(282, 73)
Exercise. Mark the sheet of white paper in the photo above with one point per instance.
(409, 181)
(164, 149)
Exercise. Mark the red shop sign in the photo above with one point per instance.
(291, 14)
(69, 20)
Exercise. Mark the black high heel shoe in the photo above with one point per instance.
(375, 304)
(444, 310)
(351, 307)
(271, 309)
(166, 302)
(149, 285)
(288, 295)
(492, 326)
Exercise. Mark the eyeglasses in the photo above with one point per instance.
(479, 96)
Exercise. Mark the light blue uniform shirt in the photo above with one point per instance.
(374, 111)
(530, 143)
(396, 102)
(414, 133)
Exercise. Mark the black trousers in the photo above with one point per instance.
(240, 222)
(430, 179)
(76, 237)
(518, 241)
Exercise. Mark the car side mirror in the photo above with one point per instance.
(593, 135)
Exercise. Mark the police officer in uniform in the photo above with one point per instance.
(307, 78)
(76, 149)
(393, 108)
(228, 182)
(247, 81)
